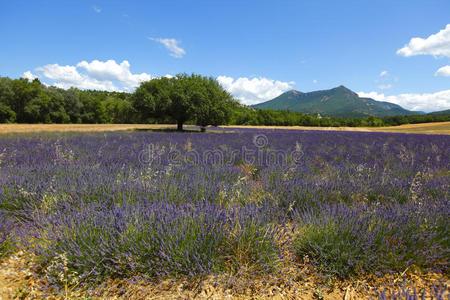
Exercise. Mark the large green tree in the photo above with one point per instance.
(183, 98)
(7, 115)
(24, 92)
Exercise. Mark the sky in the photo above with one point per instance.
(396, 51)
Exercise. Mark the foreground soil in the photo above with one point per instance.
(425, 128)
(293, 282)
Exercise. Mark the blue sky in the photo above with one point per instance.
(256, 49)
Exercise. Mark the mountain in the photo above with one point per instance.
(339, 102)
(441, 112)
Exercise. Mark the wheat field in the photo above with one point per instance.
(424, 128)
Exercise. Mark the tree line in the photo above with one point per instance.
(24, 101)
(183, 99)
(268, 117)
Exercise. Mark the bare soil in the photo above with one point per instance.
(293, 282)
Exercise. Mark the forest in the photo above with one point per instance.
(24, 101)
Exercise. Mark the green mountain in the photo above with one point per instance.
(339, 102)
(441, 112)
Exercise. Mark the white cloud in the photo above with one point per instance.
(96, 75)
(68, 76)
(444, 71)
(255, 90)
(419, 102)
(315, 81)
(112, 71)
(171, 45)
(385, 86)
(28, 75)
(437, 44)
(383, 73)
(60, 73)
(97, 9)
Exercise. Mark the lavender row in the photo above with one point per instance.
(161, 204)
(153, 240)
(344, 241)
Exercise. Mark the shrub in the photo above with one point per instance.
(154, 240)
(342, 241)
(6, 227)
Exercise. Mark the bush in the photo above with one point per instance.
(154, 240)
(6, 227)
(342, 241)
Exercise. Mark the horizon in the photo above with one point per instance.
(400, 55)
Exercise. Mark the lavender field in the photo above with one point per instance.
(280, 206)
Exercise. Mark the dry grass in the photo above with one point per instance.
(16, 128)
(17, 281)
(427, 128)
(294, 280)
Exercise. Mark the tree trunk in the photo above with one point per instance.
(180, 126)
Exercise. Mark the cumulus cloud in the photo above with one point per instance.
(60, 73)
(97, 9)
(427, 102)
(96, 75)
(68, 76)
(385, 86)
(437, 44)
(444, 71)
(28, 75)
(383, 73)
(255, 90)
(112, 71)
(171, 45)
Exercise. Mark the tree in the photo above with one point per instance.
(183, 98)
(6, 91)
(144, 99)
(7, 115)
(93, 109)
(72, 104)
(24, 92)
(118, 110)
(38, 109)
(213, 105)
(373, 121)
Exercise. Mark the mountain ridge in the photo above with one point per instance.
(338, 102)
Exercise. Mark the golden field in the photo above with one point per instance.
(425, 128)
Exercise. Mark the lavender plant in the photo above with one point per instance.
(154, 240)
(158, 204)
(343, 241)
(6, 228)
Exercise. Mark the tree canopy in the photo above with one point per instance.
(183, 98)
